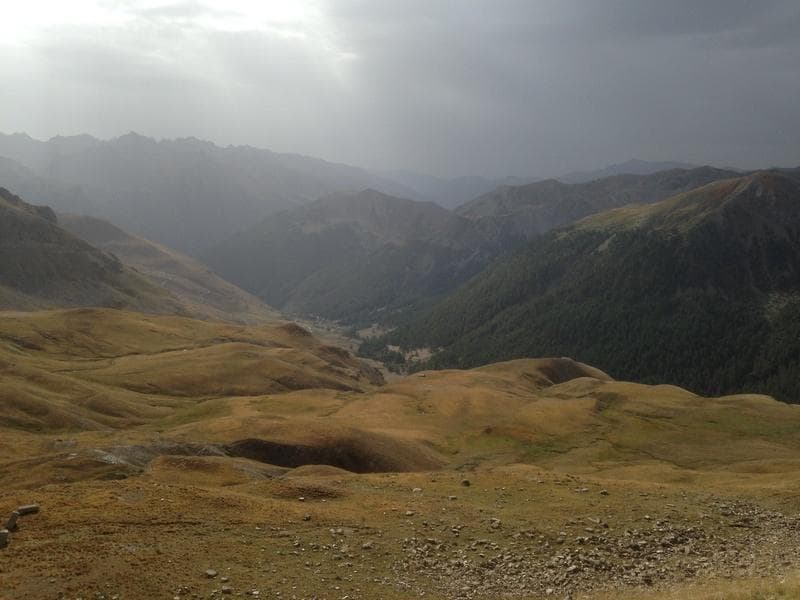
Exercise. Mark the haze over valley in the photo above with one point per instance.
(355, 300)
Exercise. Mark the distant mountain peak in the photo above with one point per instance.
(133, 137)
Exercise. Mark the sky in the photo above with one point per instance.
(447, 87)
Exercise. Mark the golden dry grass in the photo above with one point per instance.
(84, 390)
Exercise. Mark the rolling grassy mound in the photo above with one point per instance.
(278, 395)
(95, 368)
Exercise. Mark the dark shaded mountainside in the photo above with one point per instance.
(43, 266)
(185, 193)
(356, 257)
(202, 292)
(701, 290)
(515, 213)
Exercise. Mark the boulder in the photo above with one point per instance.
(28, 509)
(11, 523)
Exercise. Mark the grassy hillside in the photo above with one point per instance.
(97, 368)
(701, 290)
(357, 257)
(41, 265)
(194, 284)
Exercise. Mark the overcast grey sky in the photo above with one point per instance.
(491, 87)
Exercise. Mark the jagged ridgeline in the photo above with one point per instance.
(701, 290)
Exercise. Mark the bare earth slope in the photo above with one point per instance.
(160, 447)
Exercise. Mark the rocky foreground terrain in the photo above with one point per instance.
(373, 536)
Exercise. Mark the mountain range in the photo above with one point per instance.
(185, 193)
(370, 257)
(191, 194)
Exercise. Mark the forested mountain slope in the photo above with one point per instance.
(701, 290)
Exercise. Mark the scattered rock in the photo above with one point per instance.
(5, 538)
(650, 552)
(11, 523)
(211, 573)
(226, 589)
(466, 482)
(28, 509)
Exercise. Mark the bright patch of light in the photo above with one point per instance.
(23, 19)
(20, 20)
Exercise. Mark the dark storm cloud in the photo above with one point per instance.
(490, 87)
(519, 85)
